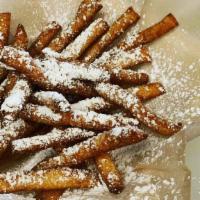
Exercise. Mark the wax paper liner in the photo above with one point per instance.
(154, 169)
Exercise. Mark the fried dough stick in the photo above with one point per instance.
(45, 37)
(87, 120)
(55, 138)
(131, 102)
(22, 62)
(13, 130)
(21, 38)
(117, 57)
(121, 76)
(98, 104)
(62, 178)
(54, 100)
(5, 19)
(49, 195)
(85, 14)
(148, 91)
(126, 20)
(3, 72)
(152, 33)
(8, 85)
(103, 142)
(85, 39)
(20, 92)
(109, 173)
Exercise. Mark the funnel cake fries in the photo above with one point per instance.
(16, 99)
(121, 97)
(62, 178)
(85, 14)
(22, 62)
(117, 57)
(76, 118)
(55, 138)
(103, 142)
(85, 39)
(45, 37)
(49, 195)
(3, 72)
(13, 130)
(54, 100)
(8, 85)
(5, 19)
(129, 18)
(148, 91)
(99, 104)
(96, 104)
(109, 173)
(21, 38)
(150, 34)
(121, 76)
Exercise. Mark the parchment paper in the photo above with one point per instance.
(154, 169)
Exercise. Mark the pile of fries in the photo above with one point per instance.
(62, 93)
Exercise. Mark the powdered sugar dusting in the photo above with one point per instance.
(17, 97)
(56, 97)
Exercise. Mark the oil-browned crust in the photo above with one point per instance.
(149, 91)
(86, 38)
(131, 102)
(44, 38)
(3, 72)
(55, 139)
(49, 195)
(125, 21)
(109, 173)
(10, 83)
(121, 76)
(5, 19)
(21, 38)
(152, 33)
(85, 14)
(62, 178)
(24, 64)
(87, 120)
(94, 146)
(124, 59)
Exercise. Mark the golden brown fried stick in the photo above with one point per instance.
(85, 39)
(45, 37)
(87, 120)
(7, 85)
(4, 28)
(21, 38)
(15, 99)
(103, 142)
(121, 76)
(152, 33)
(129, 18)
(85, 14)
(3, 72)
(54, 100)
(12, 130)
(131, 102)
(148, 91)
(120, 58)
(49, 195)
(96, 104)
(55, 138)
(109, 173)
(62, 178)
(22, 62)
